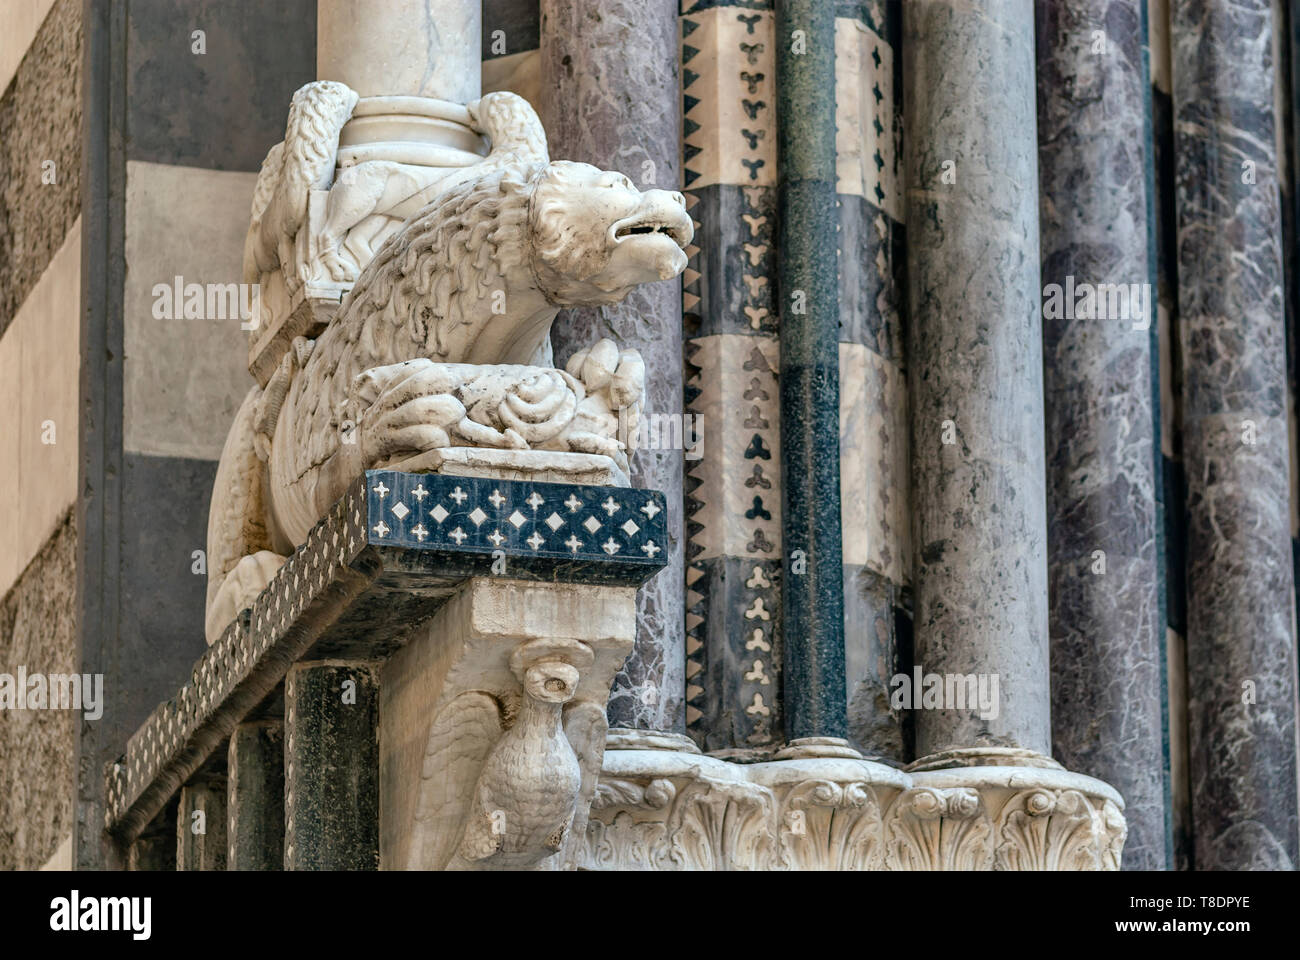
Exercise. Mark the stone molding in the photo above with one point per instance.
(661, 809)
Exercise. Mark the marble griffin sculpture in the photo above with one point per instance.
(443, 340)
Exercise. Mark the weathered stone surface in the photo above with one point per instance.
(255, 776)
(40, 137)
(201, 825)
(38, 630)
(331, 766)
(1101, 497)
(609, 96)
(219, 109)
(975, 364)
(1241, 663)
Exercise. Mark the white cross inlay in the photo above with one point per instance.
(573, 543)
(534, 501)
(630, 528)
(592, 524)
(420, 493)
(400, 510)
(610, 547)
(420, 532)
(458, 495)
(458, 535)
(381, 490)
(650, 509)
(439, 513)
(573, 503)
(496, 499)
(610, 506)
(535, 540)
(650, 549)
(381, 529)
(518, 519)
(496, 538)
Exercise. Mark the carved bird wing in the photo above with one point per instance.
(585, 727)
(460, 738)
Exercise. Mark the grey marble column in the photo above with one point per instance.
(1241, 668)
(975, 366)
(1106, 628)
(610, 98)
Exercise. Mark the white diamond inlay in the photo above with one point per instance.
(478, 516)
(630, 528)
(592, 524)
(400, 510)
(439, 513)
(518, 519)
(554, 522)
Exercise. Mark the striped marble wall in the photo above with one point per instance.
(206, 91)
(40, 266)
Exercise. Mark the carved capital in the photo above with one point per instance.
(660, 809)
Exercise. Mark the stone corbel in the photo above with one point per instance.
(494, 726)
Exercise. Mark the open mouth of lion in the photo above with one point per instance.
(675, 228)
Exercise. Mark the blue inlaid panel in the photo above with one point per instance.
(560, 530)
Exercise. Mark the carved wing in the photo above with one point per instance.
(459, 740)
(585, 727)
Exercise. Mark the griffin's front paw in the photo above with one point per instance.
(603, 369)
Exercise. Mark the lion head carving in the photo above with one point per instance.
(596, 236)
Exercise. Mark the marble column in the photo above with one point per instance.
(409, 48)
(1105, 614)
(812, 601)
(331, 766)
(874, 458)
(201, 825)
(255, 779)
(1241, 663)
(609, 97)
(975, 367)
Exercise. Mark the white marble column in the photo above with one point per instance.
(407, 48)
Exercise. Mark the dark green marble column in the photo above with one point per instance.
(256, 796)
(808, 298)
(331, 766)
(201, 825)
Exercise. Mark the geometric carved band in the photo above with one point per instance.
(379, 563)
